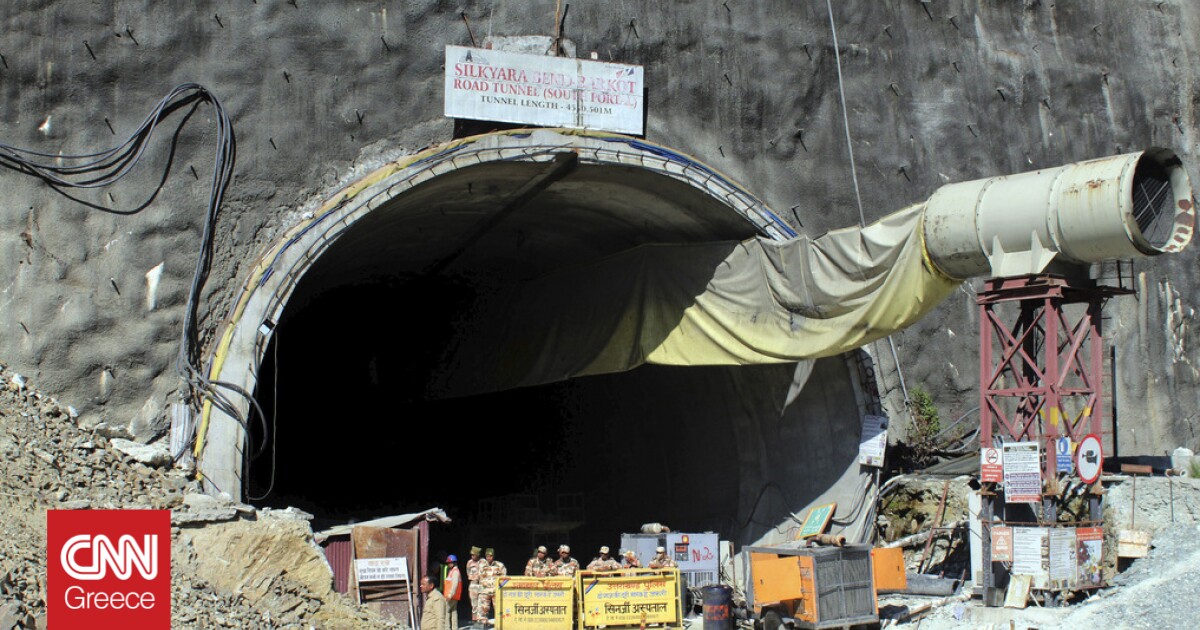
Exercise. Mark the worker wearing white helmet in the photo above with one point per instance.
(661, 560)
(565, 566)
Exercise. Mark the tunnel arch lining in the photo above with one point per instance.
(220, 438)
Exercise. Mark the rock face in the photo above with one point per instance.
(90, 303)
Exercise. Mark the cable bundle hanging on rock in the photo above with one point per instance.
(105, 168)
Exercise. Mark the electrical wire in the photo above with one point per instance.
(274, 426)
(105, 168)
(837, 55)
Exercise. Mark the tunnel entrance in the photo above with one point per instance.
(348, 321)
(579, 462)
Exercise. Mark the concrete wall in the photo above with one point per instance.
(937, 92)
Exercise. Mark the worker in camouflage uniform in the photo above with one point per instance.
(475, 585)
(604, 562)
(539, 565)
(565, 566)
(630, 560)
(490, 575)
(661, 560)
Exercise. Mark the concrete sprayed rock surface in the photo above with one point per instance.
(232, 566)
(936, 92)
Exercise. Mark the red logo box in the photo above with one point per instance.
(108, 569)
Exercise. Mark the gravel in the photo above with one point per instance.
(47, 462)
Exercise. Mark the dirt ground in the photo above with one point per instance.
(232, 566)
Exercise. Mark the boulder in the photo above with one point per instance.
(151, 455)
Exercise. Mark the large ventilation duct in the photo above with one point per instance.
(1125, 206)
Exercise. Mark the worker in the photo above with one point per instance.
(433, 615)
(565, 566)
(661, 560)
(630, 560)
(490, 575)
(539, 565)
(475, 586)
(452, 588)
(603, 562)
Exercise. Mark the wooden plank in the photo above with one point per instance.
(937, 522)
(1018, 591)
(1133, 543)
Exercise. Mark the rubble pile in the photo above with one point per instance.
(910, 509)
(231, 566)
(1151, 503)
(48, 462)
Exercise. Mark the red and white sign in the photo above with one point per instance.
(108, 569)
(1089, 458)
(542, 90)
(991, 465)
(1002, 544)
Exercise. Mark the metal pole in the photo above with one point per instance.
(1112, 359)
(988, 587)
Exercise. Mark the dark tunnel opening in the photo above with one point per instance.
(351, 433)
(577, 462)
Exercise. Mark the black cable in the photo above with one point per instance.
(105, 168)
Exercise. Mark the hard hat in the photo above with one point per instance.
(451, 558)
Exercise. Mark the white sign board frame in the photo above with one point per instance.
(1031, 554)
(1063, 565)
(873, 446)
(544, 91)
(1022, 472)
(381, 569)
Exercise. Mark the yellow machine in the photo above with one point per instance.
(818, 587)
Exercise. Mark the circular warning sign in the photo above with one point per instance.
(1089, 458)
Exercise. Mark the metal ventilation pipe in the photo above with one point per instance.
(1125, 206)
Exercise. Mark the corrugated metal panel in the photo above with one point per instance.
(340, 553)
(392, 601)
(844, 587)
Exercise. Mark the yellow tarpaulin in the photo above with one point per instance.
(730, 303)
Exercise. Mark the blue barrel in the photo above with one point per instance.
(718, 607)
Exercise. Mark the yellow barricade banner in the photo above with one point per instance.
(535, 603)
(630, 598)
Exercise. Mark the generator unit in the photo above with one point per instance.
(817, 587)
(698, 556)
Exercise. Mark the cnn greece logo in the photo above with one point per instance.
(108, 568)
(122, 557)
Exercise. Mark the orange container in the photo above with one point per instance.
(887, 565)
(819, 587)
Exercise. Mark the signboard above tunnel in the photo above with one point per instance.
(542, 90)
